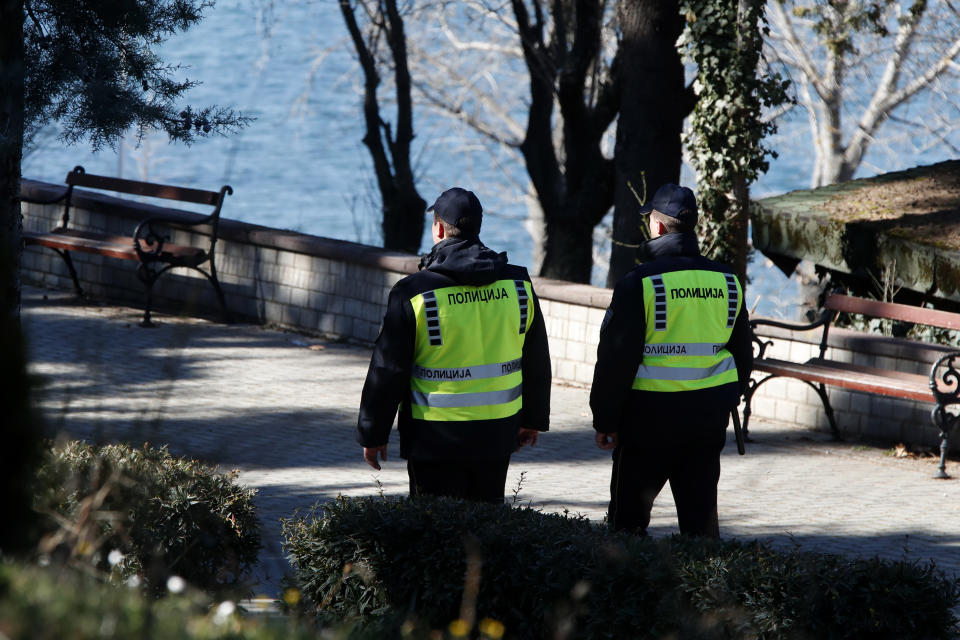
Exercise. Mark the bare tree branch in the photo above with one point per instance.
(402, 205)
(946, 62)
(800, 58)
(877, 110)
(489, 131)
(843, 52)
(371, 108)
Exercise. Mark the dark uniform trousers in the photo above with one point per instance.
(481, 480)
(687, 453)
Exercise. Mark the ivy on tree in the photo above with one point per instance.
(725, 140)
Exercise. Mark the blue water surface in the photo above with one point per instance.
(301, 164)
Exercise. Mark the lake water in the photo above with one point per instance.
(301, 164)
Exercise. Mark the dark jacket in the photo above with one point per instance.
(452, 262)
(616, 406)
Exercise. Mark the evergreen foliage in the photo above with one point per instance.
(92, 66)
(418, 565)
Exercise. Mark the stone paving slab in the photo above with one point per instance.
(281, 408)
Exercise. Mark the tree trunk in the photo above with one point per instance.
(403, 219)
(402, 206)
(653, 105)
(22, 433)
(568, 249)
(536, 226)
(11, 151)
(574, 185)
(739, 218)
(404, 230)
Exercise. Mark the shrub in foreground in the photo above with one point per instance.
(371, 560)
(55, 603)
(145, 513)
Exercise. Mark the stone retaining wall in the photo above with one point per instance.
(339, 289)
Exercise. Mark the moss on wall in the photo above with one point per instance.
(908, 221)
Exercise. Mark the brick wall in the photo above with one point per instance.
(338, 288)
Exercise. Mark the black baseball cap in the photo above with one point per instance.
(461, 208)
(676, 202)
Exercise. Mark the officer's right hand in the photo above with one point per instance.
(607, 440)
(370, 455)
(527, 436)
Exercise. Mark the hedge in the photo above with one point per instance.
(145, 513)
(392, 563)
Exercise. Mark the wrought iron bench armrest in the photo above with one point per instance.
(819, 322)
(822, 321)
(148, 240)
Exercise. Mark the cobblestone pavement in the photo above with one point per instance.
(280, 407)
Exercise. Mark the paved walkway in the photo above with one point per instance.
(281, 408)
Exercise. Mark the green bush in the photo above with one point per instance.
(375, 560)
(145, 513)
(56, 604)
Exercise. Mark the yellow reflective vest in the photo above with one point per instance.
(468, 350)
(689, 319)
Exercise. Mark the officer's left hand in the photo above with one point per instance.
(528, 436)
(607, 440)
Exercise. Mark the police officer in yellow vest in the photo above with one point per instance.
(673, 360)
(463, 354)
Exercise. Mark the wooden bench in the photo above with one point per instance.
(941, 386)
(149, 245)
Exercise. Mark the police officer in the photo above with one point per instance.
(463, 354)
(673, 359)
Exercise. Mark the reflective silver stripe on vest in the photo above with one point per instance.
(468, 373)
(522, 297)
(682, 349)
(659, 303)
(685, 373)
(732, 299)
(482, 399)
(433, 319)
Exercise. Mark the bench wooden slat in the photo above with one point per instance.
(98, 243)
(854, 377)
(893, 311)
(853, 369)
(122, 185)
(86, 242)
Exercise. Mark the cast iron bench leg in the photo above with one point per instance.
(73, 272)
(147, 276)
(942, 469)
(945, 421)
(212, 277)
(821, 390)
